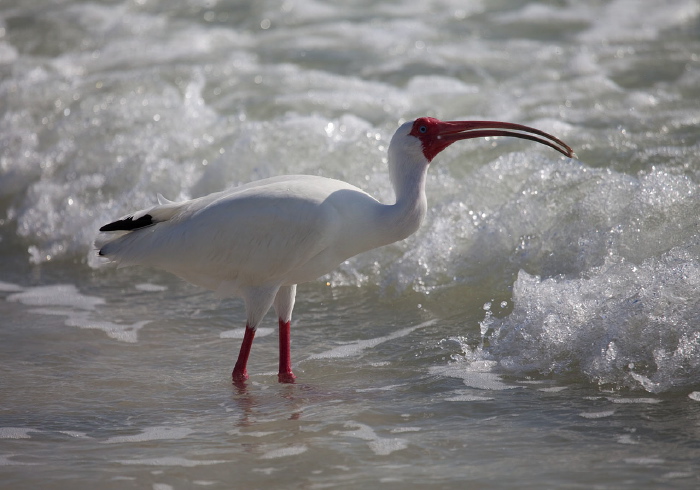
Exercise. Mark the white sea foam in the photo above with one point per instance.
(645, 461)
(477, 374)
(15, 432)
(74, 433)
(553, 389)
(399, 430)
(151, 288)
(170, 461)
(380, 388)
(66, 300)
(381, 446)
(152, 434)
(7, 460)
(651, 401)
(597, 415)
(386, 446)
(626, 439)
(623, 322)
(284, 452)
(468, 398)
(56, 295)
(357, 347)
(9, 287)
(117, 331)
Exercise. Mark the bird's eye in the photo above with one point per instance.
(423, 129)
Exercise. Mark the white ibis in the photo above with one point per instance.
(259, 240)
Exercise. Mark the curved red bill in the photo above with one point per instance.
(450, 131)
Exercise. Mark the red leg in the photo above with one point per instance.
(285, 374)
(240, 373)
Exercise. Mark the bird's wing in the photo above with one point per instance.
(250, 235)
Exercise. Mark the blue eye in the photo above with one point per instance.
(423, 129)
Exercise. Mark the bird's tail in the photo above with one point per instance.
(121, 235)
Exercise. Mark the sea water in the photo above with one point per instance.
(541, 330)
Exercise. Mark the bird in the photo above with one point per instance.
(259, 240)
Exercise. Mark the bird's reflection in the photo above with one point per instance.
(254, 400)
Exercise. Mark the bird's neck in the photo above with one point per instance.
(408, 179)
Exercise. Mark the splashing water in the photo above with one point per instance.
(547, 309)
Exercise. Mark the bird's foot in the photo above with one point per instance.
(286, 377)
(239, 376)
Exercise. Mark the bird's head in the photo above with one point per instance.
(436, 135)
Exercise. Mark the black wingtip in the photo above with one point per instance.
(129, 223)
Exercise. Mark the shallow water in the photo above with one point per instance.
(542, 328)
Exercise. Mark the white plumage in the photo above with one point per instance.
(259, 240)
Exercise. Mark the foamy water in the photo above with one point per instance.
(542, 328)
